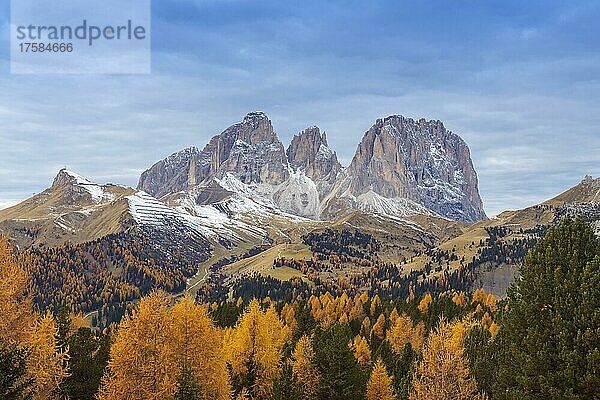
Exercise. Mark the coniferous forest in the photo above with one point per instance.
(404, 340)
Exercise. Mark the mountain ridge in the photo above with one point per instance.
(402, 167)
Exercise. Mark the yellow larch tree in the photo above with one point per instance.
(46, 362)
(141, 362)
(254, 348)
(479, 296)
(16, 315)
(362, 352)
(288, 313)
(379, 386)
(304, 368)
(197, 347)
(443, 372)
(494, 329)
(486, 320)
(402, 332)
(375, 305)
(366, 326)
(425, 303)
(379, 326)
(394, 315)
(490, 302)
(460, 299)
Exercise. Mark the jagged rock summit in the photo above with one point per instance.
(420, 161)
(249, 150)
(401, 167)
(310, 153)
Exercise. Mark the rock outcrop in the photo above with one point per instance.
(249, 150)
(402, 167)
(419, 161)
(310, 153)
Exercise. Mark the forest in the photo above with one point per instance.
(389, 336)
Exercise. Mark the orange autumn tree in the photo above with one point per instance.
(379, 386)
(425, 303)
(254, 349)
(16, 315)
(443, 372)
(197, 347)
(141, 362)
(46, 364)
(362, 352)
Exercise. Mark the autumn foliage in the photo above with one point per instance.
(156, 343)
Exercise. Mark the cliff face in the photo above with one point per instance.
(169, 175)
(249, 150)
(310, 153)
(314, 170)
(401, 167)
(420, 161)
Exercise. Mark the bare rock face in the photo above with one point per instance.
(314, 171)
(171, 174)
(249, 150)
(402, 167)
(420, 161)
(310, 153)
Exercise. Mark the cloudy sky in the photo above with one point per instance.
(518, 80)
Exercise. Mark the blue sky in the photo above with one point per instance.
(518, 80)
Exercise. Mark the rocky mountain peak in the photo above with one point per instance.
(65, 178)
(418, 160)
(401, 167)
(255, 117)
(589, 180)
(79, 189)
(249, 150)
(310, 153)
(169, 175)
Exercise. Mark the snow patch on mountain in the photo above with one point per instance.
(298, 195)
(372, 202)
(98, 193)
(206, 220)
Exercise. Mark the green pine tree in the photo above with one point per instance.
(400, 367)
(187, 385)
(89, 354)
(14, 383)
(341, 377)
(550, 336)
(480, 349)
(285, 386)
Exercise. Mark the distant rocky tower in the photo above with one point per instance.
(421, 161)
(401, 167)
(249, 150)
(310, 153)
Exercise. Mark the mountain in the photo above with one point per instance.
(402, 167)
(77, 210)
(309, 152)
(493, 249)
(249, 150)
(420, 161)
(72, 209)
